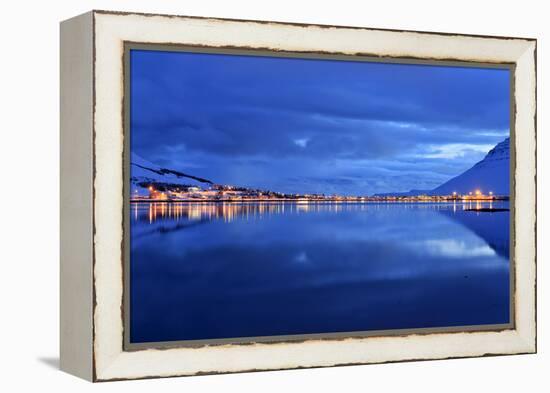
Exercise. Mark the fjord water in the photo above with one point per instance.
(228, 270)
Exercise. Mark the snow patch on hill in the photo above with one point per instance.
(143, 173)
(492, 174)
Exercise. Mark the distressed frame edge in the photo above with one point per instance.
(76, 207)
(526, 341)
(304, 24)
(526, 124)
(297, 338)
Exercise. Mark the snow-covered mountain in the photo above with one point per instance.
(492, 174)
(144, 173)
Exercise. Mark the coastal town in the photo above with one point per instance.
(227, 193)
(487, 180)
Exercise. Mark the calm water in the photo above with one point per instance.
(205, 271)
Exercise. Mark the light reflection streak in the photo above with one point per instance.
(228, 212)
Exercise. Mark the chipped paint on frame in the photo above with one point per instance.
(111, 362)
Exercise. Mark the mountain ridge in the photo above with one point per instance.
(145, 173)
(491, 174)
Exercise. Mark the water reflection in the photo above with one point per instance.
(493, 228)
(229, 211)
(221, 270)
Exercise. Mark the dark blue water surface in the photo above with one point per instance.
(228, 270)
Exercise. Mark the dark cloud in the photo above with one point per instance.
(263, 121)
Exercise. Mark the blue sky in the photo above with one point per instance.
(315, 126)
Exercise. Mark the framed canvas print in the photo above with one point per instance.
(245, 195)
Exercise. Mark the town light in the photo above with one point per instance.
(150, 188)
(491, 193)
(454, 193)
(478, 192)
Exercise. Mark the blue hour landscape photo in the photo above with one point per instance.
(273, 196)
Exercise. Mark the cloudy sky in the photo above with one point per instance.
(297, 125)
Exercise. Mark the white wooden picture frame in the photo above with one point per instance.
(92, 195)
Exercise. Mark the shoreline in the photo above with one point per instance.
(313, 201)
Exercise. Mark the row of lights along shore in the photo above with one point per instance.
(477, 194)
